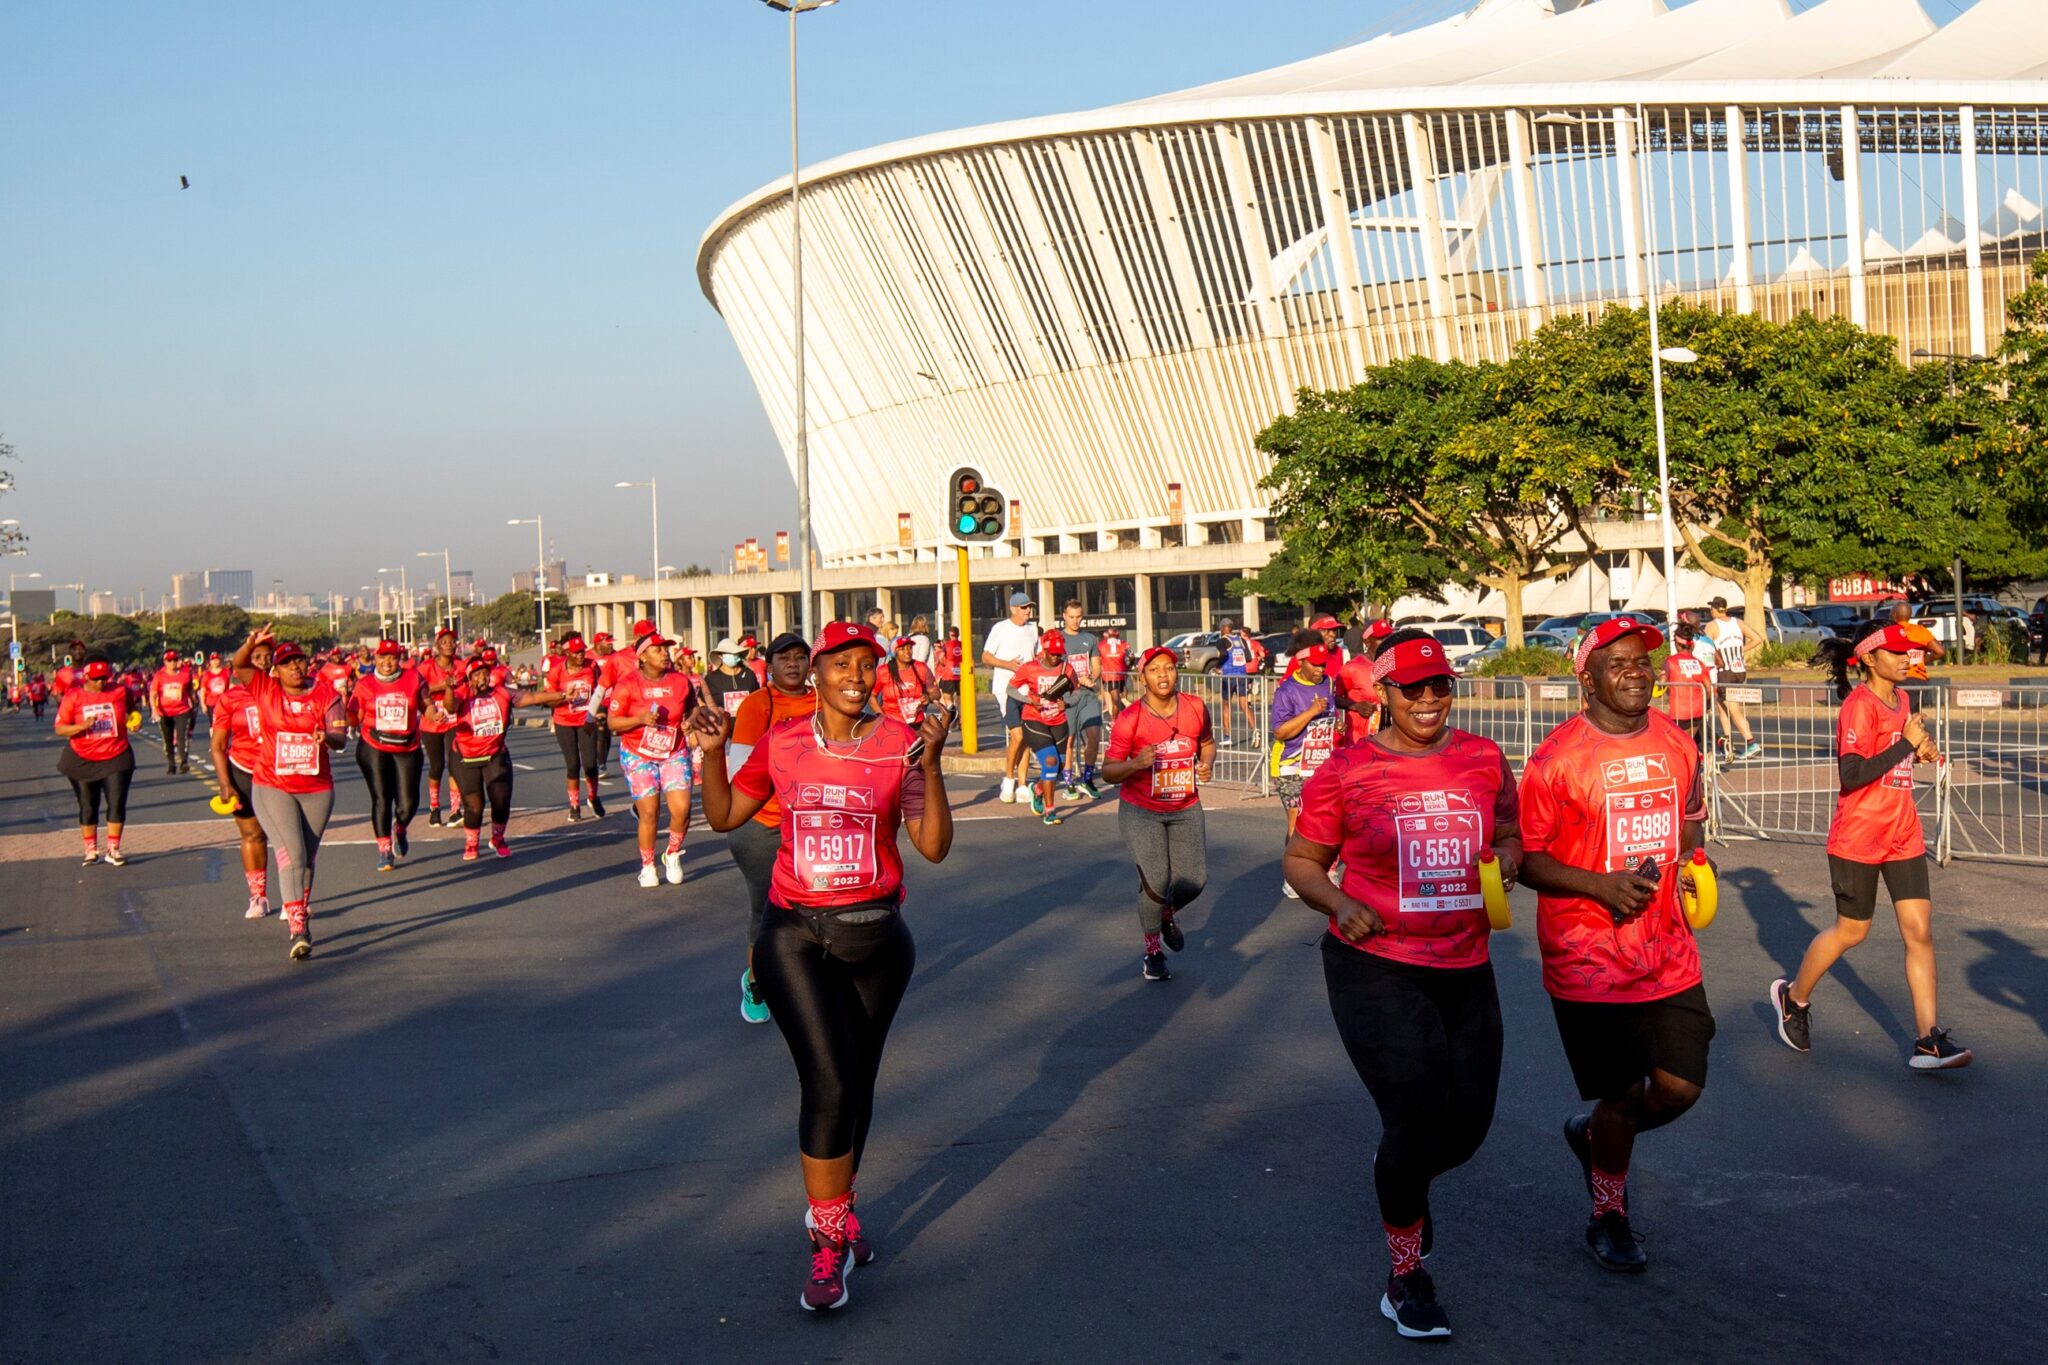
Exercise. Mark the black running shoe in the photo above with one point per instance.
(575, 814)
(1936, 1052)
(1616, 1245)
(1169, 929)
(596, 806)
(1578, 1136)
(434, 815)
(399, 843)
(1795, 1022)
(1155, 967)
(1410, 1304)
(302, 946)
(115, 858)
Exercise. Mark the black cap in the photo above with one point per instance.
(789, 639)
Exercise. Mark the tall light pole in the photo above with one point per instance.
(1956, 567)
(404, 608)
(540, 568)
(447, 584)
(796, 274)
(654, 498)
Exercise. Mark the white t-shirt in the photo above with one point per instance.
(1726, 633)
(1008, 640)
(921, 648)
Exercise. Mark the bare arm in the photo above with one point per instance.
(1306, 867)
(932, 833)
(725, 808)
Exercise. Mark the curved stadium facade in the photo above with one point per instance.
(1100, 305)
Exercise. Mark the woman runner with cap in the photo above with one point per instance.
(904, 684)
(442, 670)
(755, 843)
(293, 794)
(386, 708)
(236, 744)
(568, 685)
(482, 707)
(98, 761)
(1304, 720)
(1160, 747)
(1040, 687)
(1875, 836)
(649, 707)
(1611, 807)
(171, 699)
(1413, 811)
(834, 955)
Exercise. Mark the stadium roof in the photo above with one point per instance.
(1528, 42)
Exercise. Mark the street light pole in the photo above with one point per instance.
(540, 568)
(1677, 355)
(654, 499)
(796, 261)
(1956, 568)
(447, 585)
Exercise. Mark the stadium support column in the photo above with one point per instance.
(778, 615)
(885, 598)
(1141, 589)
(700, 627)
(1535, 290)
(734, 610)
(1852, 202)
(1336, 206)
(1628, 197)
(1738, 209)
(1973, 229)
(1429, 212)
(1251, 613)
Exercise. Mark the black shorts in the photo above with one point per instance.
(950, 686)
(1855, 884)
(1612, 1047)
(238, 782)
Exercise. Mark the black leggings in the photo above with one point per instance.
(115, 787)
(478, 778)
(177, 737)
(582, 749)
(1427, 1043)
(833, 988)
(394, 782)
(435, 747)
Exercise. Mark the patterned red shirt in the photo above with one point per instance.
(1176, 744)
(1410, 828)
(1604, 803)
(840, 812)
(293, 756)
(1878, 823)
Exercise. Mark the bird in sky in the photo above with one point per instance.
(183, 183)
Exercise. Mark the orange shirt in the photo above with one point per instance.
(761, 712)
(1878, 823)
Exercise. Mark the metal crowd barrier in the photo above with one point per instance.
(1995, 780)
(1238, 710)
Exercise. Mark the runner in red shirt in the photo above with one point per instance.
(1357, 693)
(1611, 806)
(648, 709)
(98, 761)
(1410, 811)
(482, 707)
(293, 794)
(1041, 685)
(387, 708)
(788, 697)
(834, 956)
(946, 663)
(755, 660)
(613, 666)
(903, 686)
(67, 677)
(1114, 652)
(1876, 835)
(214, 681)
(38, 693)
(441, 670)
(568, 685)
(1160, 747)
(1332, 633)
(173, 695)
(1688, 682)
(236, 728)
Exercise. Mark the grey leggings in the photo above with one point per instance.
(1171, 849)
(753, 847)
(293, 823)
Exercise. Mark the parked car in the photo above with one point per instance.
(1838, 618)
(1566, 626)
(1784, 626)
(1493, 649)
(1202, 651)
(1457, 638)
(1939, 617)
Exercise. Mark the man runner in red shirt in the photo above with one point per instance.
(1611, 806)
(173, 693)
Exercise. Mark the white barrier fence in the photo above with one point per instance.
(1770, 769)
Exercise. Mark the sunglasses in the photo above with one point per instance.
(1434, 687)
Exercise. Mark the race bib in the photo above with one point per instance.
(657, 741)
(394, 713)
(1173, 769)
(486, 720)
(1437, 837)
(298, 754)
(252, 721)
(99, 718)
(1900, 778)
(907, 706)
(1318, 742)
(1642, 824)
(735, 699)
(578, 691)
(173, 691)
(834, 850)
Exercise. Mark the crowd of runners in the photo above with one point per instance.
(1404, 833)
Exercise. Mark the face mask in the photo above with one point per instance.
(729, 660)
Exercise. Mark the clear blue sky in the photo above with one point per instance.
(435, 268)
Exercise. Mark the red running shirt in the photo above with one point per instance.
(947, 655)
(1880, 822)
(1176, 742)
(480, 721)
(1354, 683)
(901, 691)
(1032, 677)
(213, 685)
(293, 753)
(238, 711)
(171, 689)
(435, 673)
(576, 684)
(839, 812)
(1685, 677)
(615, 667)
(666, 700)
(1115, 654)
(1605, 803)
(1410, 828)
(106, 712)
(388, 713)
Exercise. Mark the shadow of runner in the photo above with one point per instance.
(2004, 975)
(1783, 932)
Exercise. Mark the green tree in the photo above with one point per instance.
(196, 630)
(117, 637)
(515, 616)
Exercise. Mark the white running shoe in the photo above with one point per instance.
(1008, 792)
(648, 876)
(672, 864)
(1287, 888)
(259, 908)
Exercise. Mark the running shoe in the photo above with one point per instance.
(1752, 750)
(1616, 1245)
(596, 806)
(672, 864)
(434, 815)
(501, 848)
(1170, 933)
(1007, 792)
(1287, 890)
(302, 935)
(830, 1265)
(399, 843)
(754, 1009)
(385, 862)
(1074, 791)
(259, 908)
(1578, 1136)
(1051, 817)
(1410, 1304)
(116, 858)
(1093, 788)
(92, 855)
(857, 1243)
(575, 814)
(648, 876)
(1936, 1052)
(1795, 1022)
(1155, 967)
(469, 855)
(1037, 803)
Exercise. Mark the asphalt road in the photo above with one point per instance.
(508, 1112)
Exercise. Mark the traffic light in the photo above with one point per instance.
(980, 514)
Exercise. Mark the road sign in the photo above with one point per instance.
(14, 650)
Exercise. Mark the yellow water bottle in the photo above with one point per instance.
(1494, 891)
(1701, 893)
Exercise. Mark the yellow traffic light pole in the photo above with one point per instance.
(967, 738)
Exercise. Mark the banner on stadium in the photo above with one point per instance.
(1175, 509)
(782, 547)
(903, 529)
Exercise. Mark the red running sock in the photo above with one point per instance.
(497, 832)
(675, 842)
(647, 857)
(256, 882)
(591, 787)
(575, 796)
(470, 839)
(1610, 1192)
(1404, 1247)
(384, 845)
(1154, 944)
(92, 841)
(829, 1216)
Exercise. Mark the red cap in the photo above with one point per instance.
(1379, 630)
(1610, 630)
(572, 644)
(476, 661)
(903, 640)
(1154, 653)
(1052, 642)
(840, 634)
(99, 670)
(448, 631)
(749, 642)
(1318, 655)
(170, 656)
(641, 628)
(215, 655)
(603, 637)
(646, 639)
(1411, 661)
(1325, 622)
(1894, 639)
(285, 653)
(488, 654)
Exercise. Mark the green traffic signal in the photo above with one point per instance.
(967, 525)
